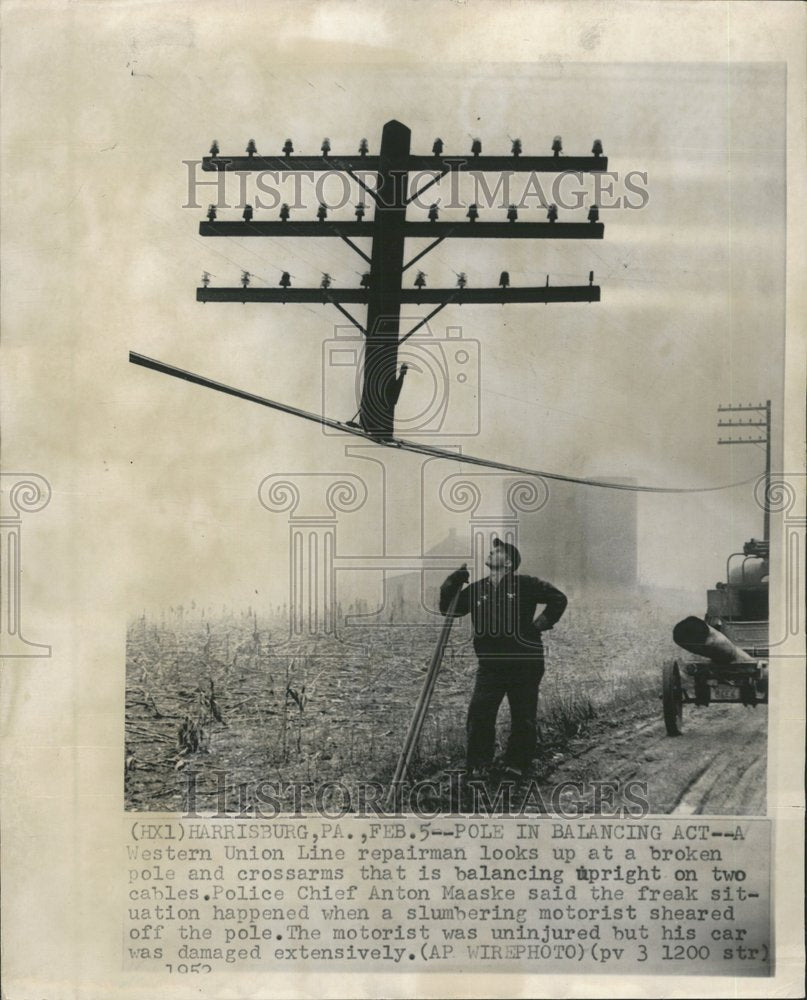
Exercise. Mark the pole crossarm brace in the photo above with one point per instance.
(442, 230)
(347, 315)
(425, 320)
(435, 180)
(365, 187)
(358, 250)
(423, 253)
(415, 296)
(413, 162)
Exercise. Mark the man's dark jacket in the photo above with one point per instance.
(502, 615)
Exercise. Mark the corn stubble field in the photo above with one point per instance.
(226, 694)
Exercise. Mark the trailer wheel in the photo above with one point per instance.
(673, 699)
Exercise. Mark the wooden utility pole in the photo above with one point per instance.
(377, 414)
(382, 292)
(753, 438)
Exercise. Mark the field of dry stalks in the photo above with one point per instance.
(227, 697)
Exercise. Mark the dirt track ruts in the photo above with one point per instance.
(717, 767)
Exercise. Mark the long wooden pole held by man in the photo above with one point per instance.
(422, 706)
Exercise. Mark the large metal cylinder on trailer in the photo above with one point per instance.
(751, 572)
(695, 636)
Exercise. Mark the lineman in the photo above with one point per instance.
(508, 645)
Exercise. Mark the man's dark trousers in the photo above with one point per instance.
(518, 680)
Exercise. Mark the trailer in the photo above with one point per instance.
(731, 642)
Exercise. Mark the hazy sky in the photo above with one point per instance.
(692, 310)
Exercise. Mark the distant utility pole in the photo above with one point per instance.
(380, 288)
(753, 438)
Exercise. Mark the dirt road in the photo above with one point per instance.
(717, 767)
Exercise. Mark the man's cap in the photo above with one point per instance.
(510, 551)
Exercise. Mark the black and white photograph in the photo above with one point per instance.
(514, 361)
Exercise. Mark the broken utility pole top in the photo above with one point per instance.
(382, 292)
